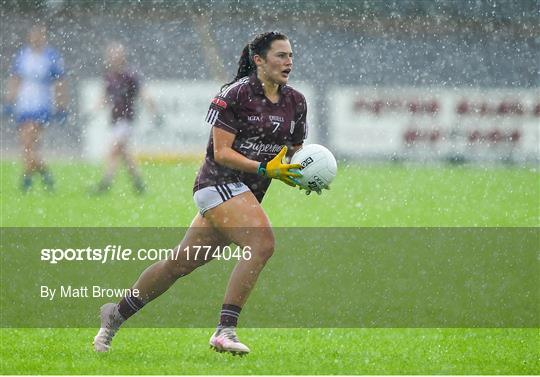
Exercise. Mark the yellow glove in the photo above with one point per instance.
(278, 168)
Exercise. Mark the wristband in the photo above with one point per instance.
(261, 170)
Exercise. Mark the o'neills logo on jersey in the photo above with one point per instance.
(276, 118)
(219, 102)
(253, 144)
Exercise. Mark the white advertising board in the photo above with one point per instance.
(179, 130)
(427, 123)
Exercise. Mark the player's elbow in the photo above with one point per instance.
(221, 156)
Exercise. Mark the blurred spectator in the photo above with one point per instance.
(122, 88)
(36, 95)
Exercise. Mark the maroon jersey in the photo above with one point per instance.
(122, 90)
(261, 128)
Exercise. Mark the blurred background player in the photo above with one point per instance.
(230, 186)
(122, 88)
(36, 93)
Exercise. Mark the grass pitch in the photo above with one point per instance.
(273, 351)
(361, 196)
(366, 196)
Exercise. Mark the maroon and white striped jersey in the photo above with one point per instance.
(261, 128)
(122, 89)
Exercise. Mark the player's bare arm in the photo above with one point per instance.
(61, 94)
(293, 149)
(226, 156)
(12, 88)
(148, 100)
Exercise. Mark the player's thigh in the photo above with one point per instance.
(121, 134)
(29, 132)
(199, 243)
(242, 220)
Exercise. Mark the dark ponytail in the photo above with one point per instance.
(259, 46)
(245, 64)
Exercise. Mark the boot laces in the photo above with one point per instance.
(229, 333)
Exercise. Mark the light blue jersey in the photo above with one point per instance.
(37, 72)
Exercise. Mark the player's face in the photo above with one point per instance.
(277, 65)
(116, 56)
(37, 36)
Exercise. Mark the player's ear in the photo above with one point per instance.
(258, 60)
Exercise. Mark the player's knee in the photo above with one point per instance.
(116, 151)
(265, 249)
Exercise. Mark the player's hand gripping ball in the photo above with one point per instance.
(278, 168)
(318, 169)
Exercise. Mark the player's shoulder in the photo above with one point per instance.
(131, 74)
(295, 97)
(21, 57)
(234, 92)
(295, 94)
(52, 53)
(23, 52)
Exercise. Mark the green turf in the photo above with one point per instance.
(374, 195)
(367, 196)
(294, 351)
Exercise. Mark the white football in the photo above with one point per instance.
(319, 166)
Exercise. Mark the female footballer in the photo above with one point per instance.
(36, 93)
(122, 89)
(253, 120)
